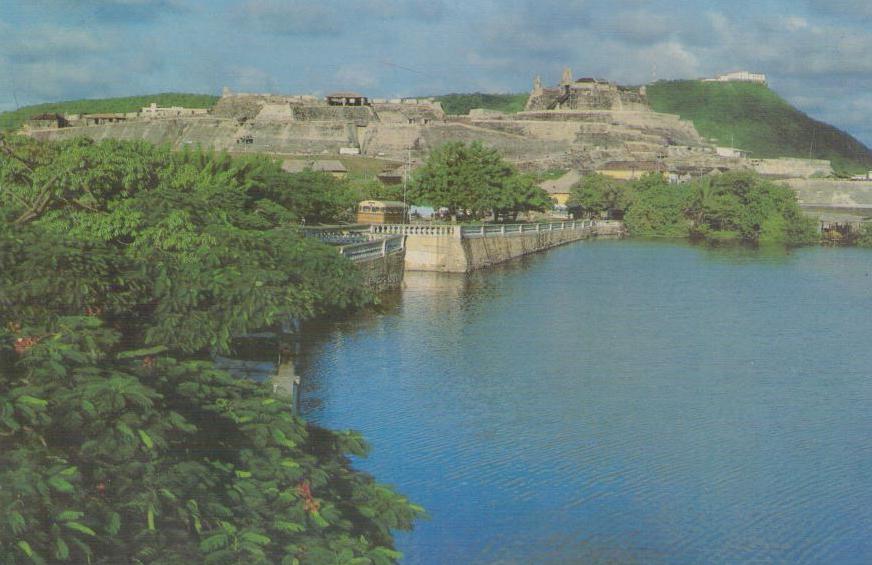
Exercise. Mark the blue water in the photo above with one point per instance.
(618, 402)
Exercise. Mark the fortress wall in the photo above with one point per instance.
(785, 167)
(826, 193)
(301, 138)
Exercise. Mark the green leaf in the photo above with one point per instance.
(33, 401)
(69, 471)
(255, 538)
(146, 439)
(114, 525)
(60, 485)
(292, 527)
(150, 518)
(16, 522)
(319, 520)
(133, 354)
(25, 547)
(68, 515)
(290, 464)
(62, 550)
(80, 528)
(214, 542)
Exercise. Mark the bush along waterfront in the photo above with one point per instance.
(728, 207)
(122, 265)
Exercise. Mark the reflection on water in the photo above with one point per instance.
(618, 402)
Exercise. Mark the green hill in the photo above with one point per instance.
(460, 104)
(754, 118)
(14, 120)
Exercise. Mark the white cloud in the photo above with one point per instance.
(355, 77)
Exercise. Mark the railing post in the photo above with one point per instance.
(563, 225)
(482, 230)
(503, 229)
(538, 226)
(384, 247)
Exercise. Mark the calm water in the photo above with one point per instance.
(619, 401)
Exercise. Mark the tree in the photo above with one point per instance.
(461, 178)
(375, 190)
(473, 179)
(122, 266)
(597, 193)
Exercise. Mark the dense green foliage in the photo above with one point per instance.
(598, 195)
(461, 104)
(754, 118)
(122, 266)
(15, 119)
(732, 206)
(375, 190)
(474, 181)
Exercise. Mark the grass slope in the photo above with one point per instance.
(460, 104)
(15, 119)
(754, 118)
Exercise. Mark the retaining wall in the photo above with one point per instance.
(460, 249)
(383, 273)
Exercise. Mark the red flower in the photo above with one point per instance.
(23, 344)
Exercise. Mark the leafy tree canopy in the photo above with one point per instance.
(122, 266)
(739, 206)
(474, 180)
(596, 194)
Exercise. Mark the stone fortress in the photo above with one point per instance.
(581, 124)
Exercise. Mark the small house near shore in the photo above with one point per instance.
(559, 189)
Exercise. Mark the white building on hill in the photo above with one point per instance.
(738, 76)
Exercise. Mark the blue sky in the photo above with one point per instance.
(817, 53)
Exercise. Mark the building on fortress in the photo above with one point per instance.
(155, 111)
(585, 94)
(739, 76)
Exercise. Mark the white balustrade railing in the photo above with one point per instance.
(485, 230)
(412, 229)
(498, 230)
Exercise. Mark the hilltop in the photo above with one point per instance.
(15, 119)
(754, 118)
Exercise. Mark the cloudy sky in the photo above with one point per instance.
(817, 53)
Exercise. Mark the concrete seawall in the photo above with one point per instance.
(461, 249)
(383, 273)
